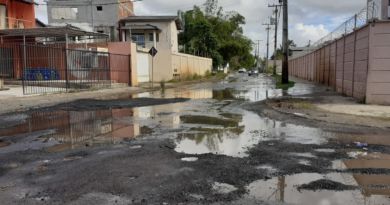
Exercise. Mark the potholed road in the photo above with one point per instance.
(197, 144)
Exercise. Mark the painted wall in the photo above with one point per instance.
(185, 65)
(378, 80)
(168, 36)
(19, 14)
(123, 66)
(143, 66)
(344, 63)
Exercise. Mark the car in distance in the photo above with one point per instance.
(242, 70)
(253, 72)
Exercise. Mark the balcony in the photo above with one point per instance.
(13, 23)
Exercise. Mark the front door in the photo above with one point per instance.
(3, 15)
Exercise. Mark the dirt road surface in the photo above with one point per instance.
(210, 143)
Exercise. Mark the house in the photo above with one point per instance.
(94, 15)
(385, 10)
(17, 14)
(160, 32)
(147, 31)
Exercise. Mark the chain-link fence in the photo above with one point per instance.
(360, 19)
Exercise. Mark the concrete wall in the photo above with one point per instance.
(143, 67)
(86, 16)
(356, 65)
(123, 71)
(185, 65)
(378, 80)
(168, 66)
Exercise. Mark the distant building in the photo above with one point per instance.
(162, 33)
(91, 15)
(17, 14)
(147, 31)
(385, 10)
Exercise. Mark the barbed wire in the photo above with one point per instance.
(369, 13)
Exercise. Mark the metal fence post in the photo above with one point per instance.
(66, 64)
(24, 64)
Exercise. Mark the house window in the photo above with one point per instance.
(139, 39)
(151, 37)
(99, 8)
(3, 16)
(64, 13)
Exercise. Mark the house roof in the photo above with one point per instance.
(27, 1)
(143, 19)
(49, 32)
(40, 23)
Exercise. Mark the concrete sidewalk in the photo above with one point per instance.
(13, 100)
(330, 101)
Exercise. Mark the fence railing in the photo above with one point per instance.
(51, 68)
(367, 14)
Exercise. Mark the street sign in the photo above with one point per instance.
(153, 51)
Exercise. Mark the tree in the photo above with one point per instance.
(216, 34)
(279, 52)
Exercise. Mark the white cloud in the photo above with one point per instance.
(302, 33)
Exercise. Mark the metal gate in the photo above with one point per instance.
(48, 69)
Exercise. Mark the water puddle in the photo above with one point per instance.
(189, 159)
(222, 188)
(315, 189)
(232, 134)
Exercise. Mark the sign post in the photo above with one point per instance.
(153, 52)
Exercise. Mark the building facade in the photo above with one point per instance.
(17, 14)
(147, 31)
(91, 15)
(161, 32)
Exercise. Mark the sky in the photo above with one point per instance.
(309, 20)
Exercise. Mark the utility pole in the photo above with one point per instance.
(257, 52)
(267, 57)
(285, 74)
(276, 23)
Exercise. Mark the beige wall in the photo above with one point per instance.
(357, 65)
(378, 81)
(162, 66)
(168, 65)
(185, 65)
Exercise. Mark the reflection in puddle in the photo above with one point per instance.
(222, 188)
(285, 189)
(250, 129)
(189, 159)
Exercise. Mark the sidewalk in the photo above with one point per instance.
(13, 100)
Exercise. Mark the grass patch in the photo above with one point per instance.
(195, 77)
(280, 85)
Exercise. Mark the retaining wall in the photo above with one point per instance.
(357, 65)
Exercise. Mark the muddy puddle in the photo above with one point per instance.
(317, 189)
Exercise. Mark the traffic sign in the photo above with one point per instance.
(153, 51)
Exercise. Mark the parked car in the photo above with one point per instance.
(254, 72)
(242, 70)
